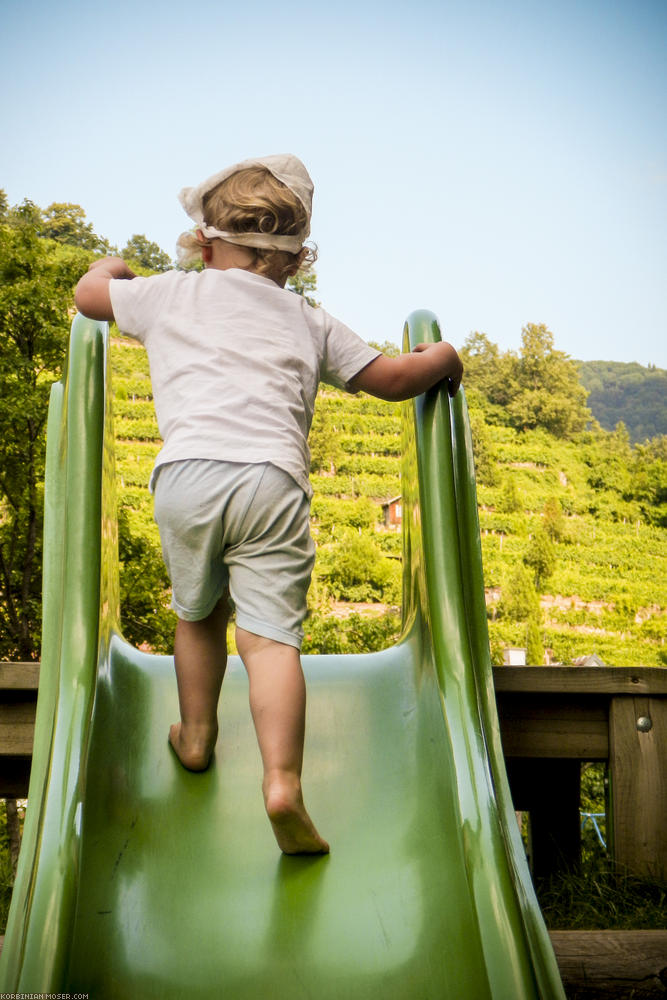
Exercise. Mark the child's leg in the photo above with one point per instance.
(278, 705)
(200, 655)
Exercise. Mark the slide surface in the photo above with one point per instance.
(138, 879)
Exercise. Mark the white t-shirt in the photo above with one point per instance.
(235, 364)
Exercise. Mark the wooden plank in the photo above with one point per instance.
(16, 739)
(19, 676)
(530, 742)
(553, 726)
(597, 965)
(638, 774)
(17, 725)
(582, 680)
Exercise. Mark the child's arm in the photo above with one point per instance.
(92, 292)
(410, 374)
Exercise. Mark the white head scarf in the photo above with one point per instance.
(284, 167)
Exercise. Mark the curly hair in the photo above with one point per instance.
(254, 201)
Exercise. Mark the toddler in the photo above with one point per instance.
(235, 362)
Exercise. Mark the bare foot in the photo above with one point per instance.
(292, 826)
(193, 750)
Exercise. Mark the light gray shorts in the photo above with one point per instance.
(243, 527)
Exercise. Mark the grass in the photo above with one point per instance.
(599, 898)
(6, 886)
(598, 895)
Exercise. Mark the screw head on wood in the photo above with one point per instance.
(644, 723)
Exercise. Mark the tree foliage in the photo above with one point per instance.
(510, 501)
(146, 617)
(356, 570)
(148, 255)
(519, 600)
(304, 283)
(648, 480)
(540, 557)
(42, 256)
(387, 347)
(534, 647)
(628, 392)
(37, 277)
(538, 388)
(547, 392)
(553, 519)
(486, 462)
(66, 223)
(324, 443)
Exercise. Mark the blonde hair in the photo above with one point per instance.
(254, 201)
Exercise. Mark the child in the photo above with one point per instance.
(235, 363)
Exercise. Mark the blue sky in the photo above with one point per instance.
(497, 163)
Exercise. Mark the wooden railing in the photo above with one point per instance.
(551, 719)
(18, 699)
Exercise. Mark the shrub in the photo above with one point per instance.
(356, 634)
(540, 557)
(356, 570)
(519, 600)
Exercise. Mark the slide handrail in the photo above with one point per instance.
(445, 507)
(80, 606)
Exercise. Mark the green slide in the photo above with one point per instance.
(140, 880)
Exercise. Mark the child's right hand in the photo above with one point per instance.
(453, 365)
(410, 374)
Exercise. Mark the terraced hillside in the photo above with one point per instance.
(603, 593)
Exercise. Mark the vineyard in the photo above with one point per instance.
(598, 574)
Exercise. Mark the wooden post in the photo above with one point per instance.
(638, 777)
(549, 789)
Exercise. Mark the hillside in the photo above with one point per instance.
(603, 595)
(629, 393)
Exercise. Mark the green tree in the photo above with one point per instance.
(142, 251)
(548, 392)
(648, 480)
(66, 223)
(540, 557)
(37, 278)
(628, 392)
(304, 283)
(480, 359)
(486, 463)
(324, 443)
(553, 519)
(519, 601)
(356, 570)
(146, 618)
(487, 371)
(609, 458)
(534, 647)
(510, 501)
